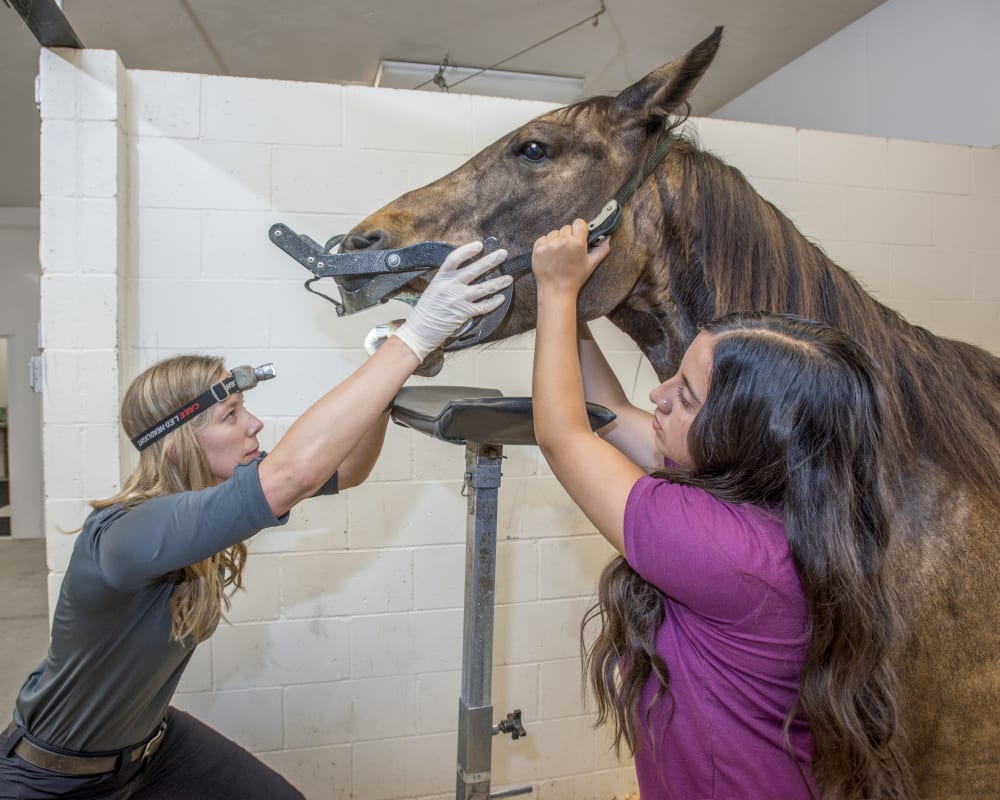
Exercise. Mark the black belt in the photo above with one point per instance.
(83, 764)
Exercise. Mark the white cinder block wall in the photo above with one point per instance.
(341, 665)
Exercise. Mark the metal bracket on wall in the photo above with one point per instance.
(45, 19)
(35, 377)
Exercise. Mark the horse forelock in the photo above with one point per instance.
(727, 249)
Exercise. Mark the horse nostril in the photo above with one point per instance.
(370, 240)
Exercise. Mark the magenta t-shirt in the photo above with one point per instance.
(733, 637)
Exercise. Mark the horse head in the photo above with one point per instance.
(562, 165)
(695, 241)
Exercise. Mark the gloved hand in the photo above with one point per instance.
(451, 300)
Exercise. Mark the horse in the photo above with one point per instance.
(695, 241)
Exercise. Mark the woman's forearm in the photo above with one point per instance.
(359, 462)
(325, 435)
(600, 383)
(631, 432)
(557, 382)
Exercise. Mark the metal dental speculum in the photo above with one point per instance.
(370, 277)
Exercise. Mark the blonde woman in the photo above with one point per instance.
(153, 567)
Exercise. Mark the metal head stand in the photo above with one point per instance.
(484, 421)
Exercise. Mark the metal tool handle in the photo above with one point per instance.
(325, 264)
(604, 224)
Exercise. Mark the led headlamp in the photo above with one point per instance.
(239, 380)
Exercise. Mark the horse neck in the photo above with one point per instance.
(745, 253)
(728, 249)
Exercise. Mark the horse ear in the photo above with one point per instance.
(663, 90)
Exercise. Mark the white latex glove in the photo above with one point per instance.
(451, 300)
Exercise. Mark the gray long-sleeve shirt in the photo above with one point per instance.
(112, 667)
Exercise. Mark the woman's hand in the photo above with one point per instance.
(452, 299)
(561, 262)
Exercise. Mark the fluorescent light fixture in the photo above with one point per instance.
(492, 82)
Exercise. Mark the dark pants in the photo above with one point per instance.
(193, 762)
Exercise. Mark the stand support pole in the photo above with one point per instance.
(475, 710)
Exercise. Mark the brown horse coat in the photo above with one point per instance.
(697, 241)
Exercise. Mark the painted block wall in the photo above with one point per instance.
(341, 663)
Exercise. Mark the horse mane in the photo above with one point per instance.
(738, 252)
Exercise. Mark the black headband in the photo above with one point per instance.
(240, 379)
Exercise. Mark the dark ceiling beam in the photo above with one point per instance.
(47, 22)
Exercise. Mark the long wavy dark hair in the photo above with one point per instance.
(792, 423)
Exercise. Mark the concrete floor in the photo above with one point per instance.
(24, 616)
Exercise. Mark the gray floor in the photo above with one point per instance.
(24, 621)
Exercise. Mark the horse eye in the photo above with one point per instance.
(532, 151)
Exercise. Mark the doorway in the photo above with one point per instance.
(4, 444)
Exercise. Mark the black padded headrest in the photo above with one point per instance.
(461, 414)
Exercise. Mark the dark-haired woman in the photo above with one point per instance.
(153, 568)
(745, 629)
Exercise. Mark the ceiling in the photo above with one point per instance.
(341, 41)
